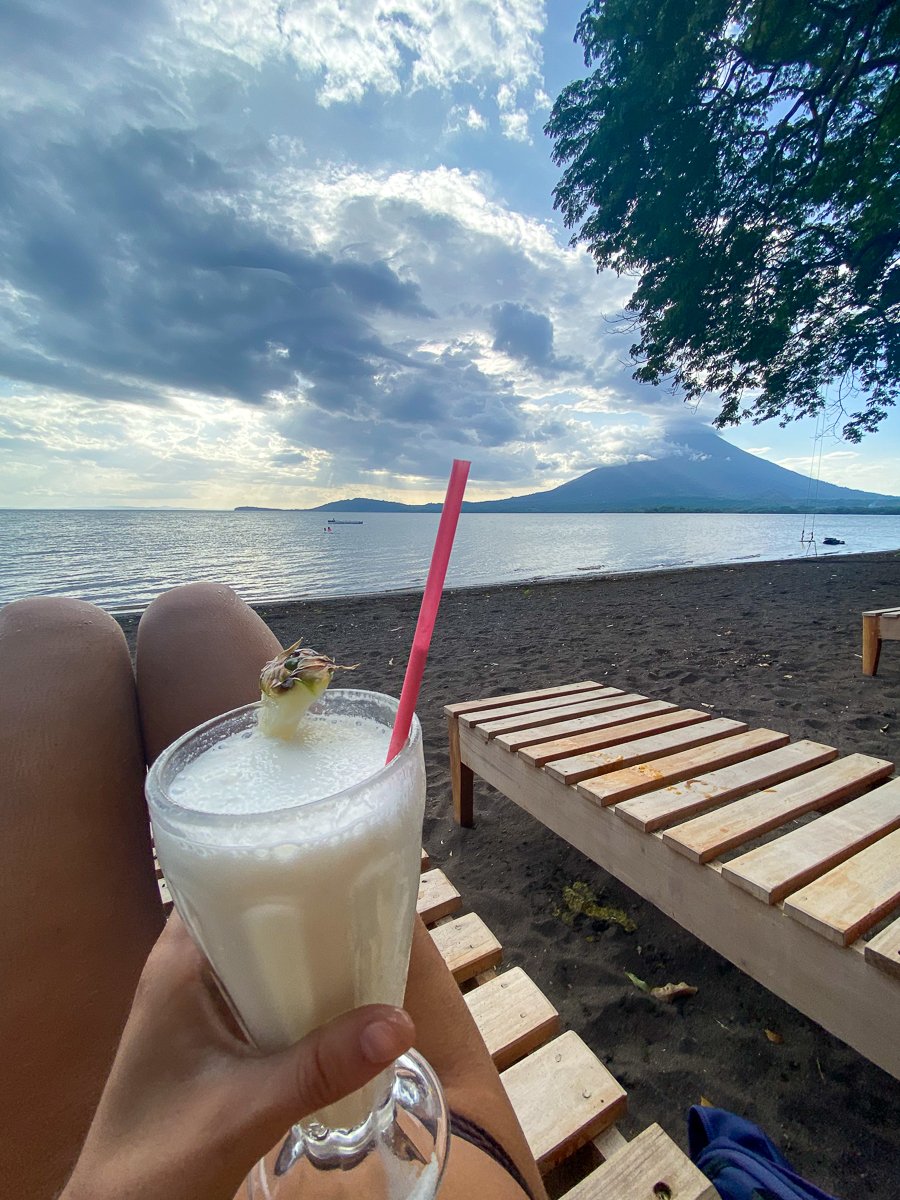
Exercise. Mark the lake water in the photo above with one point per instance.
(122, 559)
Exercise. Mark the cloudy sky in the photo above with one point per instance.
(279, 253)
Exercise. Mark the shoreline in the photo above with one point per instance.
(773, 643)
(588, 576)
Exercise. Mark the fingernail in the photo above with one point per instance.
(386, 1038)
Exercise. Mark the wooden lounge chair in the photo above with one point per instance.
(674, 802)
(878, 625)
(566, 1100)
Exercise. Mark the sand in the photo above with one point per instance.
(773, 644)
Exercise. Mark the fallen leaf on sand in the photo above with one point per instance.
(774, 1037)
(706, 1103)
(673, 991)
(638, 983)
(580, 899)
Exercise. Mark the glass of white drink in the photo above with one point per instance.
(292, 852)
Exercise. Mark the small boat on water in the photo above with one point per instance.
(831, 541)
(333, 522)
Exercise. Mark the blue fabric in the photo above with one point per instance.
(741, 1161)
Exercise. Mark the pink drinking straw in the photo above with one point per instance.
(431, 598)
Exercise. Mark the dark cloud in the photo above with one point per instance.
(141, 276)
(528, 335)
(522, 333)
(415, 422)
(290, 458)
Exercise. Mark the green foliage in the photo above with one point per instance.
(743, 159)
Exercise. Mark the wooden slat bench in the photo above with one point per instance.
(566, 1100)
(878, 625)
(682, 807)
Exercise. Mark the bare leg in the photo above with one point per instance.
(449, 1039)
(200, 650)
(77, 892)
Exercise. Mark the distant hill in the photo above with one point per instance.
(704, 474)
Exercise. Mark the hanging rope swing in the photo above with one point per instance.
(808, 539)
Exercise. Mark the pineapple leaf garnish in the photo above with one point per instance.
(290, 683)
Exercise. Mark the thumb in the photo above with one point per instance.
(328, 1064)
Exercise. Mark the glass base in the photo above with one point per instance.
(398, 1153)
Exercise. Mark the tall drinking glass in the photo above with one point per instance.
(299, 884)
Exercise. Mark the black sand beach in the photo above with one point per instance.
(774, 644)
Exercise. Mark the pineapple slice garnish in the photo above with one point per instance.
(290, 683)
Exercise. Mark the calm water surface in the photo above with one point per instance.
(124, 559)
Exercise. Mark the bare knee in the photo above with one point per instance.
(192, 604)
(57, 626)
(200, 650)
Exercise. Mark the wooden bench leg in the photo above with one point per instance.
(871, 643)
(461, 780)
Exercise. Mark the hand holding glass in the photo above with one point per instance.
(295, 865)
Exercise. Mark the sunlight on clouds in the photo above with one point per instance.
(199, 453)
(325, 202)
(377, 45)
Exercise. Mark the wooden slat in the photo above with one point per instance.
(609, 1142)
(543, 716)
(647, 1168)
(567, 689)
(884, 949)
(426, 861)
(438, 898)
(628, 707)
(641, 750)
(673, 768)
(164, 894)
(467, 946)
(563, 1096)
(853, 897)
(540, 708)
(773, 871)
(587, 743)
(665, 806)
(513, 1016)
(714, 833)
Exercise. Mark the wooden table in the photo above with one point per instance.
(681, 806)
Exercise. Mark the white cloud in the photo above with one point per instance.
(461, 116)
(515, 125)
(847, 468)
(62, 450)
(383, 46)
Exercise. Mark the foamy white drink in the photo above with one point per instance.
(296, 864)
